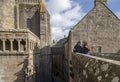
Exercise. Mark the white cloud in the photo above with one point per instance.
(64, 15)
(58, 5)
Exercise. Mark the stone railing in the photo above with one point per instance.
(86, 68)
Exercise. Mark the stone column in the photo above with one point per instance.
(19, 45)
(11, 45)
(26, 45)
(17, 7)
(4, 48)
(30, 46)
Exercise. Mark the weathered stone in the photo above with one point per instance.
(106, 75)
(115, 79)
(94, 72)
(97, 71)
(104, 67)
(99, 78)
(84, 73)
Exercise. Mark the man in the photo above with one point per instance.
(78, 47)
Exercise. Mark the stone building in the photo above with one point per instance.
(100, 28)
(25, 39)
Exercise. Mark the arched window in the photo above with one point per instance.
(1, 45)
(7, 45)
(23, 45)
(15, 45)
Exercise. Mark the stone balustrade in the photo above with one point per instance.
(18, 42)
(86, 68)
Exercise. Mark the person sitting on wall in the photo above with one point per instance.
(85, 48)
(78, 47)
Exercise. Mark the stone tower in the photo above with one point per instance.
(25, 36)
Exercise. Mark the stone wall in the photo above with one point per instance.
(57, 65)
(88, 68)
(29, 18)
(12, 68)
(7, 14)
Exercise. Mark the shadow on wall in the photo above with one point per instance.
(36, 63)
(45, 64)
(42, 64)
(26, 73)
(57, 51)
(41, 71)
(21, 75)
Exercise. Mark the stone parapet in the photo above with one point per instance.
(86, 68)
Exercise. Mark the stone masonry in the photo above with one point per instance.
(7, 14)
(94, 69)
(25, 38)
(12, 68)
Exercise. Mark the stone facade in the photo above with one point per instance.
(24, 34)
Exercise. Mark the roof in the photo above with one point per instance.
(91, 11)
(59, 43)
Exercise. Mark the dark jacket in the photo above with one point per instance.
(78, 48)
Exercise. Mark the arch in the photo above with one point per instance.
(1, 45)
(15, 45)
(23, 45)
(7, 45)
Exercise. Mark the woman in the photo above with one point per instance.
(85, 48)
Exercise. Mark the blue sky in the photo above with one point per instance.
(114, 5)
(66, 13)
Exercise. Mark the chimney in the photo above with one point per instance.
(97, 2)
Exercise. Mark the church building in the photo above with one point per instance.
(25, 38)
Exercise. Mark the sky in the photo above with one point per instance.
(64, 14)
